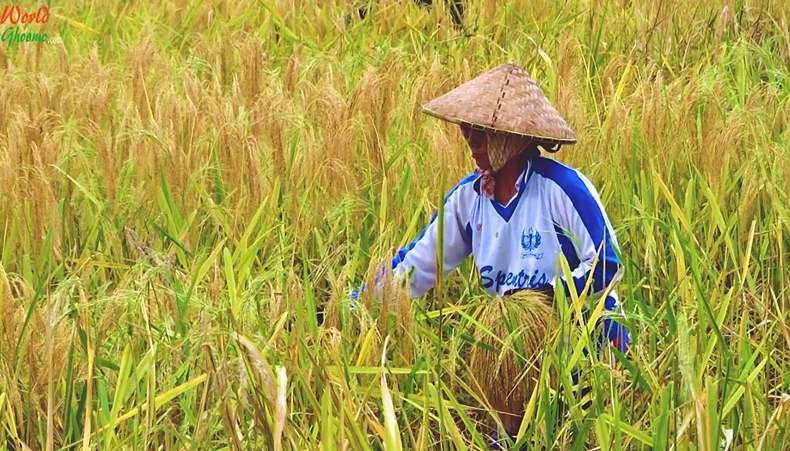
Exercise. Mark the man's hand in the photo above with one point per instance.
(378, 278)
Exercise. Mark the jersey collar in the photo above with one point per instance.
(506, 211)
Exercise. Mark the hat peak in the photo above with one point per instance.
(503, 99)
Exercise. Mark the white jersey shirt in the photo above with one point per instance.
(555, 211)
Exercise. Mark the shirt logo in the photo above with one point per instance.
(530, 241)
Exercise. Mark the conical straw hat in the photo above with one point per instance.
(504, 99)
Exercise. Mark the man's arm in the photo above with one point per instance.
(589, 244)
(418, 259)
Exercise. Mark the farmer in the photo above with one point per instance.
(518, 211)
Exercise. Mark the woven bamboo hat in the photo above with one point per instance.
(504, 99)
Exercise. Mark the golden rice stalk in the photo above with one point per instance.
(261, 365)
(272, 384)
(507, 367)
(395, 314)
(385, 308)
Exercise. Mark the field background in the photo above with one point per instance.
(188, 187)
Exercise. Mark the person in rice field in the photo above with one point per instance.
(518, 211)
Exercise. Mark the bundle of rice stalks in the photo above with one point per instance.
(509, 340)
(384, 308)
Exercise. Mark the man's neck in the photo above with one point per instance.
(506, 178)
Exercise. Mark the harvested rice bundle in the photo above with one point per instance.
(507, 367)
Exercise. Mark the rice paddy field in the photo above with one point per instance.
(189, 189)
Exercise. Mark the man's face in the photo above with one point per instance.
(478, 143)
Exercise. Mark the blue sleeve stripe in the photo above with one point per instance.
(591, 215)
(610, 303)
(602, 275)
(568, 249)
(580, 282)
(401, 254)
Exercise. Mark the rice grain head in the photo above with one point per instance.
(507, 367)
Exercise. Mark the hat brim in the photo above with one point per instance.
(459, 121)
